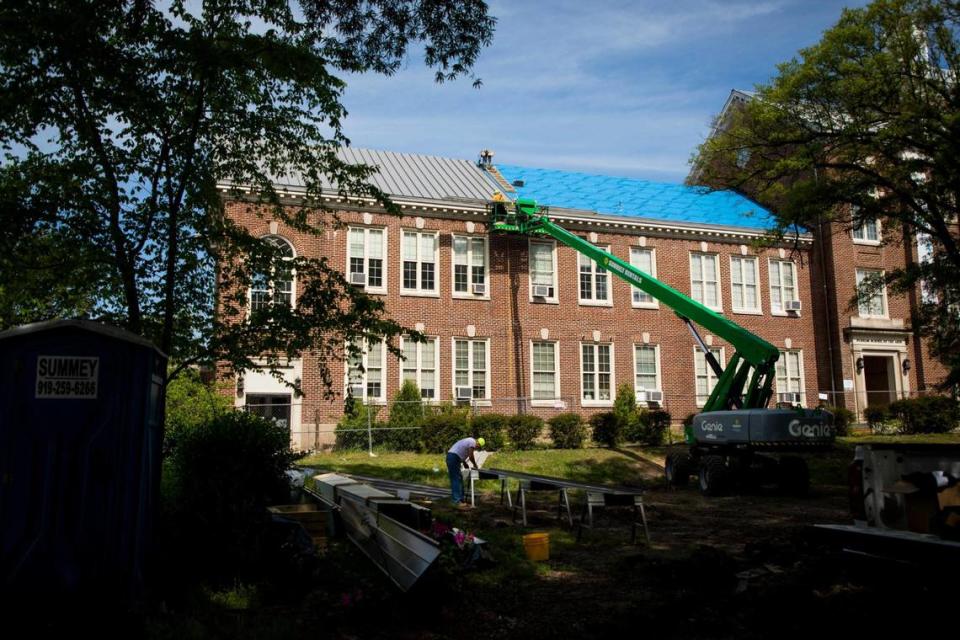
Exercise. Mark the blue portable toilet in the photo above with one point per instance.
(81, 428)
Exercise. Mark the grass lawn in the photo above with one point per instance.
(624, 466)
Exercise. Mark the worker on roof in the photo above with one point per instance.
(461, 453)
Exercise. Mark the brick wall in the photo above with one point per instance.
(510, 320)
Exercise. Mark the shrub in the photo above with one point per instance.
(875, 417)
(607, 428)
(654, 425)
(406, 415)
(351, 430)
(189, 403)
(567, 431)
(224, 473)
(842, 419)
(927, 414)
(625, 409)
(523, 430)
(444, 427)
(491, 427)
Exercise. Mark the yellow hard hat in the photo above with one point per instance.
(481, 442)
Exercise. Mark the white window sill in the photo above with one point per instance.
(750, 312)
(644, 305)
(785, 314)
(376, 292)
(474, 403)
(468, 296)
(544, 403)
(376, 402)
(419, 294)
(867, 243)
(544, 300)
(596, 303)
(596, 403)
(868, 317)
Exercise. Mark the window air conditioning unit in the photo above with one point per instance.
(646, 395)
(480, 289)
(541, 291)
(464, 393)
(358, 278)
(792, 305)
(788, 398)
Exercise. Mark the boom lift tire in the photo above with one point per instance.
(677, 469)
(715, 477)
(793, 476)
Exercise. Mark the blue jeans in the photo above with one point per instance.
(456, 477)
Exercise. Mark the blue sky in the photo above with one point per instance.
(612, 87)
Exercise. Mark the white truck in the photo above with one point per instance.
(905, 503)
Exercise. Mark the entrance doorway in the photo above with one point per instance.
(274, 407)
(878, 380)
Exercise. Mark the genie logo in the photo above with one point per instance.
(816, 430)
(712, 426)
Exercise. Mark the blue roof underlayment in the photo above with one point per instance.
(637, 198)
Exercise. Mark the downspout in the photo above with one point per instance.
(826, 303)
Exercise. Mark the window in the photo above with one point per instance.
(365, 372)
(594, 280)
(744, 276)
(543, 270)
(546, 385)
(646, 367)
(470, 266)
(596, 374)
(366, 251)
(706, 379)
(783, 285)
(420, 262)
(866, 231)
(790, 373)
(420, 364)
(470, 359)
(871, 294)
(705, 279)
(646, 261)
(274, 286)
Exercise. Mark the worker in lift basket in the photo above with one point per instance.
(461, 453)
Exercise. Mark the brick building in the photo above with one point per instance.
(518, 324)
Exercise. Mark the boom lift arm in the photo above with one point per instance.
(753, 354)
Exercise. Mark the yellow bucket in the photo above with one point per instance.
(537, 546)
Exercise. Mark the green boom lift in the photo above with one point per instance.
(732, 439)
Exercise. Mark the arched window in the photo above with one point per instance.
(276, 285)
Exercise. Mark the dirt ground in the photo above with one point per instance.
(741, 566)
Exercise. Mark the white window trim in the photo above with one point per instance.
(555, 298)
(758, 311)
(656, 362)
(796, 287)
(468, 294)
(293, 278)
(380, 400)
(613, 376)
(716, 257)
(886, 306)
(723, 361)
(556, 363)
(803, 379)
(485, 401)
(593, 302)
(419, 366)
(864, 241)
(366, 266)
(418, 292)
(654, 303)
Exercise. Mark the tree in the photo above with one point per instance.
(121, 121)
(864, 125)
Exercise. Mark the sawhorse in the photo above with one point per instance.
(596, 500)
(563, 499)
